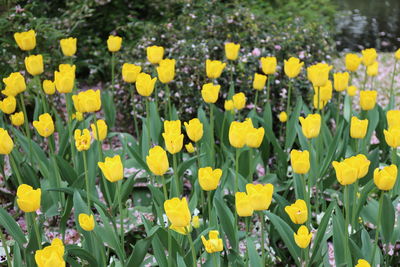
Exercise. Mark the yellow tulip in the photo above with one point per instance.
(239, 101)
(157, 161)
(238, 134)
(292, 67)
(86, 222)
(181, 230)
(172, 127)
(283, 116)
(393, 118)
(17, 119)
(341, 81)
(64, 80)
(166, 70)
(228, 105)
(259, 81)
(67, 68)
(368, 99)
(102, 127)
(213, 244)
(49, 87)
(8, 105)
(254, 137)
(45, 125)
(15, 84)
(392, 136)
(325, 91)
(209, 178)
(6, 144)
(78, 116)
(190, 148)
(260, 195)
(87, 101)
(194, 129)
(28, 199)
(25, 40)
(82, 139)
(372, 70)
(114, 43)
(362, 263)
(232, 51)
(145, 84)
(112, 168)
(173, 142)
(52, 255)
(297, 212)
(268, 65)
(321, 103)
(361, 163)
(68, 46)
(303, 237)
(177, 211)
(369, 56)
(210, 92)
(346, 172)
(352, 90)
(385, 178)
(358, 128)
(243, 203)
(155, 54)
(300, 161)
(130, 72)
(214, 68)
(397, 54)
(352, 61)
(311, 125)
(318, 74)
(196, 222)
(34, 64)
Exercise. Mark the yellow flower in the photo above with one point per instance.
(82, 139)
(114, 43)
(283, 116)
(166, 70)
(259, 81)
(214, 68)
(352, 61)
(194, 129)
(292, 67)
(65, 79)
(397, 54)
(87, 101)
(49, 87)
(372, 70)
(6, 144)
(311, 125)
(346, 172)
(102, 126)
(173, 127)
(177, 211)
(268, 65)
(318, 74)
(232, 51)
(352, 90)
(130, 72)
(15, 84)
(393, 118)
(34, 64)
(368, 99)
(52, 255)
(362, 263)
(112, 168)
(239, 101)
(297, 212)
(361, 163)
(67, 68)
(190, 148)
(325, 91)
(157, 161)
(155, 54)
(196, 222)
(392, 136)
(181, 230)
(17, 119)
(78, 116)
(173, 142)
(145, 84)
(254, 137)
(210, 92)
(25, 40)
(45, 125)
(86, 222)
(260, 195)
(213, 244)
(385, 178)
(244, 205)
(303, 237)
(358, 128)
(300, 161)
(228, 105)
(341, 81)
(321, 103)
(209, 178)
(369, 56)
(8, 105)
(238, 134)
(28, 199)
(68, 46)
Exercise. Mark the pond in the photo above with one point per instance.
(368, 23)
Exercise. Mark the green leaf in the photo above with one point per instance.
(290, 125)
(107, 100)
(388, 218)
(339, 238)
(12, 227)
(226, 220)
(254, 258)
(139, 252)
(73, 250)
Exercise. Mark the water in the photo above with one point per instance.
(368, 23)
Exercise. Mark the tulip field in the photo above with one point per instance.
(315, 184)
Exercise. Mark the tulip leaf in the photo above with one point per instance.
(73, 250)
(226, 219)
(186, 164)
(339, 238)
(366, 244)
(107, 100)
(139, 159)
(12, 227)
(373, 119)
(387, 221)
(290, 124)
(155, 124)
(254, 258)
(139, 252)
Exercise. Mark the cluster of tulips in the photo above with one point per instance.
(212, 186)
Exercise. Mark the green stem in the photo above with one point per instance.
(42, 96)
(164, 184)
(289, 97)
(148, 121)
(365, 79)
(137, 133)
(191, 247)
(236, 185)
(307, 197)
(209, 206)
(215, 259)
(338, 110)
(269, 87)
(69, 121)
(121, 214)
(261, 215)
(27, 131)
(355, 200)
(250, 177)
(212, 133)
(112, 71)
(5, 247)
(15, 168)
(169, 101)
(55, 166)
(247, 235)
(36, 228)
(256, 102)
(176, 180)
(377, 228)
(392, 100)
(86, 179)
(394, 152)
(319, 100)
(346, 228)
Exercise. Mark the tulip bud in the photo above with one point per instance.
(209, 178)
(324, 91)
(243, 203)
(190, 148)
(214, 244)
(392, 136)
(292, 67)
(283, 116)
(78, 116)
(254, 137)
(17, 119)
(173, 142)
(177, 211)
(372, 70)
(49, 87)
(28, 199)
(86, 222)
(196, 222)
(300, 161)
(25, 40)
(360, 163)
(318, 74)
(232, 51)
(102, 127)
(155, 54)
(114, 43)
(87, 101)
(228, 105)
(268, 65)
(368, 99)
(238, 134)
(385, 178)
(64, 80)
(362, 263)
(214, 68)
(112, 168)
(352, 62)
(130, 72)
(82, 139)
(145, 84)
(358, 128)
(194, 129)
(341, 81)
(303, 237)
(311, 125)
(52, 255)
(166, 70)
(397, 54)
(259, 81)
(15, 84)
(369, 56)
(45, 125)
(352, 90)
(6, 144)
(172, 127)
(239, 101)
(68, 46)
(8, 105)
(393, 118)
(346, 172)
(210, 92)
(260, 195)
(297, 212)
(157, 161)
(34, 64)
